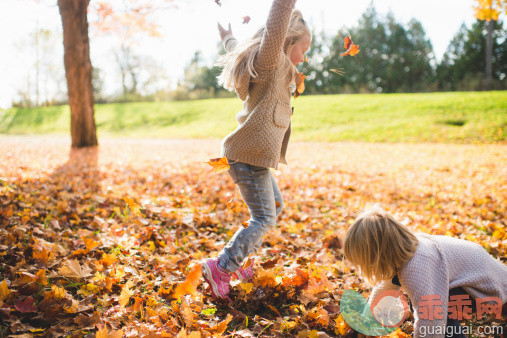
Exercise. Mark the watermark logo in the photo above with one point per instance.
(390, 309)
(386, 313)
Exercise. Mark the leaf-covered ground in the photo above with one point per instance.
(76, 259)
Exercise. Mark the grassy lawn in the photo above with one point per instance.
(463, 117)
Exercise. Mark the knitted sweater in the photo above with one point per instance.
(441, 263)
(264, 123)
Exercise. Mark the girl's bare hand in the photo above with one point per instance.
(223, 32)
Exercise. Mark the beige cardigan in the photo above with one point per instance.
(264, 123)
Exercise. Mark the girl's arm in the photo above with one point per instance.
(228, 39)
(426, 281)
(271, 48)
(379, 288)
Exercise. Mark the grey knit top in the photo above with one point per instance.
(441, 263)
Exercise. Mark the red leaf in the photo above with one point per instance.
(26, 305)
(246, 19)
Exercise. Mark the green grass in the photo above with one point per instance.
(462, 117)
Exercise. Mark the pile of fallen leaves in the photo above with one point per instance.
(107, 241)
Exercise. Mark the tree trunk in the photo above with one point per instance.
(489, 54)
(78, 70)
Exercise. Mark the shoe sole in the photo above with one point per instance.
(208, 276)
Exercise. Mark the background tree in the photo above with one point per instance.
(463, 64)
(78, 66)
(78, 71)
(489, 10)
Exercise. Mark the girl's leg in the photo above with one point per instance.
(256, 185)
(278, 196)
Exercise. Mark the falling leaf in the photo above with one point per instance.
(72, 268)
(189, 286)
(246, 19)
(218, 2)
(219, 164)
(351, 49)
(300, 85)
(26, 305)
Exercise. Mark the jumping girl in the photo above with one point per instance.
(261, 71)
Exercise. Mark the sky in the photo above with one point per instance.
(193, 26)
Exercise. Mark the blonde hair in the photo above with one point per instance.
(378, 244)
(241, 58)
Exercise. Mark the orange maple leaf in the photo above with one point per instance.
(189, 286)
(300, 85)
(351, 49)
(219, 164)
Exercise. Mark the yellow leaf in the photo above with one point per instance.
(341, 326)
(134, 207)
(72, 268)
(151, 246)
(499, 234)
(4, 291)
(126, 293)
(246, 286)
(58, 292)
(73, 308)
(219, 164)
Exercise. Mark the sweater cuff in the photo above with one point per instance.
(227, 39)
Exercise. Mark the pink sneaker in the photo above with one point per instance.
(246, 274)
(216, 277)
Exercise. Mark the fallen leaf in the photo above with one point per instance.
(72, 268)
(134, 207)
(4, 291)
(26, 305)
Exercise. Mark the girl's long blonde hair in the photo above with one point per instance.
(241, 58)
(378, 244)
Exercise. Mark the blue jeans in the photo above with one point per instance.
(260, 192)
